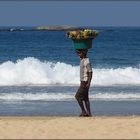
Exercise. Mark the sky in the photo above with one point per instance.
(78, 13)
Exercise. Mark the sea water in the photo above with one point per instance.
(39, 72)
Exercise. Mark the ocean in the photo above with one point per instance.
(39, 73)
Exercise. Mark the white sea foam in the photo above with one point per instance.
(68, 97)
(35, 72)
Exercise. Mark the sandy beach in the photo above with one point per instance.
(70, 127)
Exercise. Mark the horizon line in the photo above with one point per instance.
(70, 0)
(70, 25)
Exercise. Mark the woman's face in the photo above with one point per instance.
(81, 54)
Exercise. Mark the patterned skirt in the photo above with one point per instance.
(82, 92)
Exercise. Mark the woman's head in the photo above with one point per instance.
(82, 53)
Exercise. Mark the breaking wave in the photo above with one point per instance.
(32, 71)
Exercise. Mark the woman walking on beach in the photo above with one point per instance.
(85, 78)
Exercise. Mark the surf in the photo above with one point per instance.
(32, 71)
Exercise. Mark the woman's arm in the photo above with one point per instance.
(89, 79)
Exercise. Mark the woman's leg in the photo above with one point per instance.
(87, 104)
(80, 98)
(81, 104)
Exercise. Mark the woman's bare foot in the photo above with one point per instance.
(89, 114)
(83, 114)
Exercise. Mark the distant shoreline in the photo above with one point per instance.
(40, 28)
(60, 28)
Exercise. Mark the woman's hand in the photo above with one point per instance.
(87, 85)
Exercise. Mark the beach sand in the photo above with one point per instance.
(70, 127)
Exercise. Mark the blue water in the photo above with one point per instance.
(114, 47)
(40, 69)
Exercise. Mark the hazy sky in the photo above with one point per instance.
(103, 13)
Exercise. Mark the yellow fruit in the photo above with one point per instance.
(83, 34)
(73, 33)
(78, 36)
